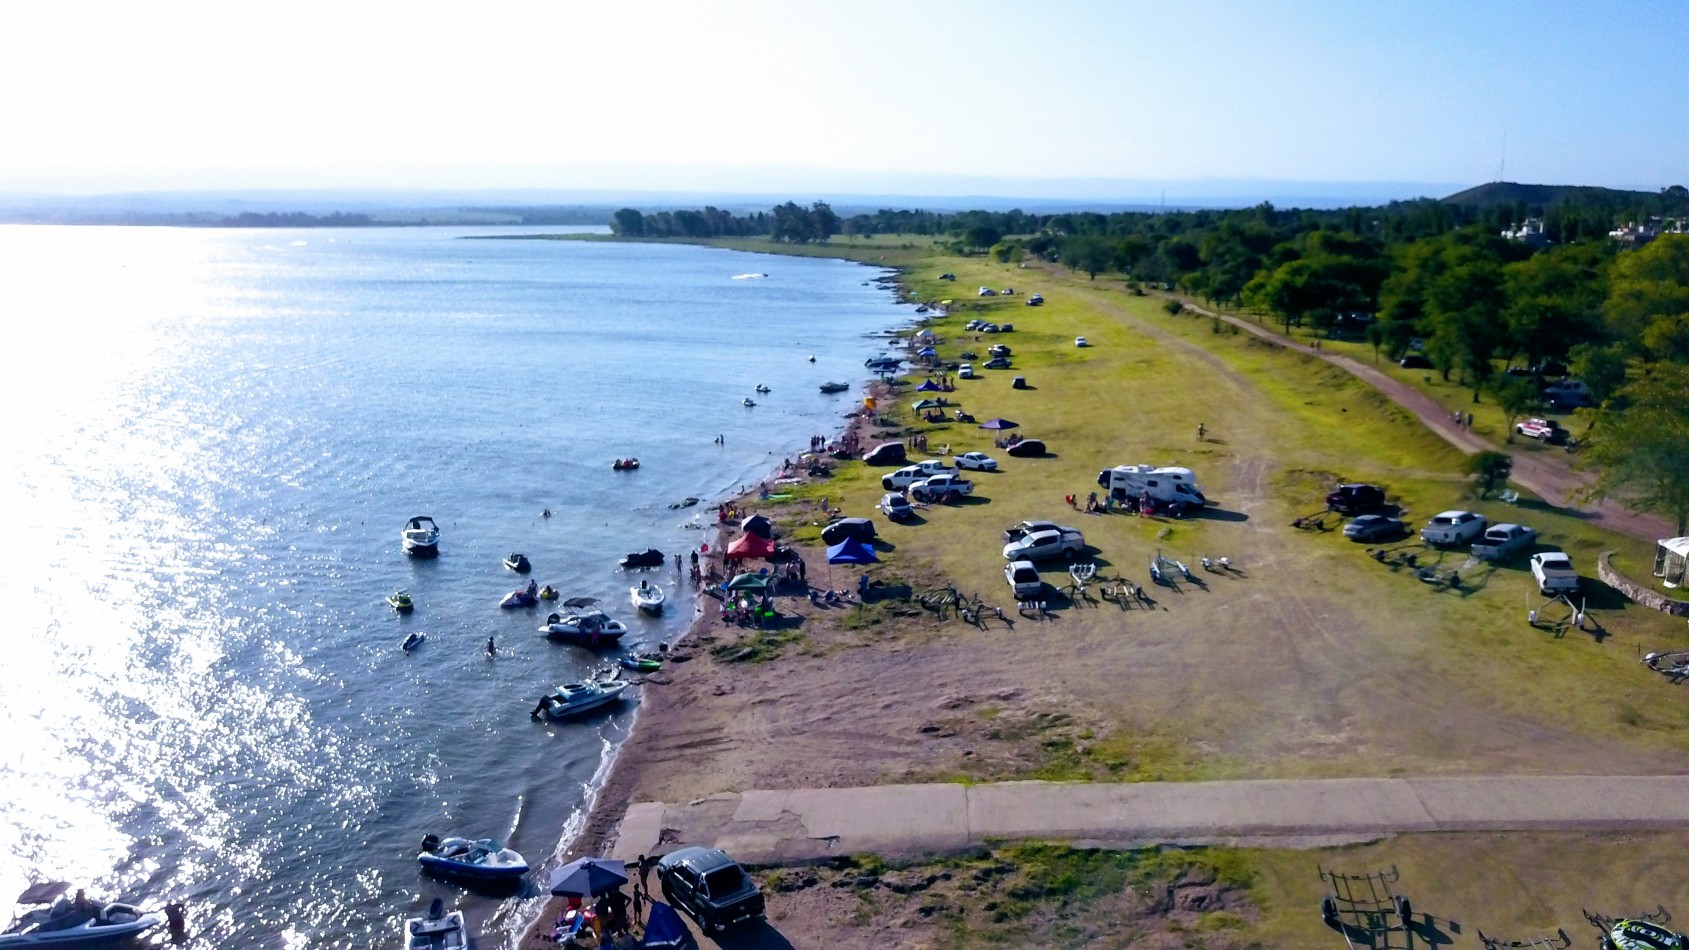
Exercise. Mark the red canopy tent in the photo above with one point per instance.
(749, 546)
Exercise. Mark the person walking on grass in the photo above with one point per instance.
(1201, 431)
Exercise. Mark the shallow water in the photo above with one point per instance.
(212, 439)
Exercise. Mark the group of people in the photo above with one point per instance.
(1141, 505)
(1005, 441)
(611, 915)
(1462, 419)
(918, 441)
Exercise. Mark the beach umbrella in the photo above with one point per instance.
(664, 928)
(928, 404)
(588, 877)
(749, 582)
(998, 424)
(749, 545)
(929, 387)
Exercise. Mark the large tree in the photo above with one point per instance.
(1639, 447)
(1554, 302)
(1650, 286)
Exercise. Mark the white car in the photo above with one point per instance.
(1023, 580)
(934, 467)
(977, 462)
(1554, 574)
(941, 488)
(1042, 545)
(1454, 528)
(1081, 342)
(903, 477)
(965, 371)
(987, 292)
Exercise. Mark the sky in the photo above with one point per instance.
(1056, 99)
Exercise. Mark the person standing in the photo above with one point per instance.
(638, 905)
(645, 866)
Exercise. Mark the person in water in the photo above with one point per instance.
(492, 648)
(533, 588)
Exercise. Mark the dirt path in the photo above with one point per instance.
(1549, 476)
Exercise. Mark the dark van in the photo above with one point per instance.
(887, 453)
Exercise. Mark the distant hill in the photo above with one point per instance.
(1543, 196)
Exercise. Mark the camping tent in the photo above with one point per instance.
(929, 404)
(748, 545)
(664, 928)
(926, 336)
(929, 387)
(852, 551)
(750, 582)
(998, 424)
(759, 526)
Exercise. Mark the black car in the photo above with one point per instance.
(861, 529)
(1414, 361)
(998, 363)
(710, 887)
(1374, 528)
(1355, 499)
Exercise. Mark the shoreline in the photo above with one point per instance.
(607, 804)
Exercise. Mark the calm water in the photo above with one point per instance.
(211, 441)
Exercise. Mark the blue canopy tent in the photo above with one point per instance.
(926, 351)
(849, 551)
(664, 928)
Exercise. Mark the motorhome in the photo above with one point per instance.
(1166, 484)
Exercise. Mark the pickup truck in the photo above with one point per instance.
(941, 488)
(1543, 430)
(1453, 528)
(1502, 541)
(1023, 580)
(1042, 545)
(1554, 573)
(1355, 499)
(910, 474)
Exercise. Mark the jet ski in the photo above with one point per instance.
(77, 923)
(650, 557)
(412, 641)
(518, 563)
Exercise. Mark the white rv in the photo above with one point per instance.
(1166, 484)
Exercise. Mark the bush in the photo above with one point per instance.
(1173, 307)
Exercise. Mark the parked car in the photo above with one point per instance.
(1008, 291)
(1355, 499)
(999, 349)
(973, 324)
(1543, 430)
(1028, 449)
(1453, 528)
(988, 328)
(941, 488)
(999, 362)
(976, 462)
(1006, 328)
(895, 507)
(1374, 528)
(861, 529)
(946, 276)
(1023, 580)
(1024, 528)
(1081, 342)
(1042, 545)
(1036, 300)
(1414, 361)
(902, 478)
(1553, 572)
(710, 887)
(987, 292)
(934, 467)
(966, 371)
(1502, 541)
(887, 453)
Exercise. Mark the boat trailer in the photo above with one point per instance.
(1366, 908)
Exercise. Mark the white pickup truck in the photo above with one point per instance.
(1554, 574)
(1502, 541)
(1453, 528)
(910, 474)
(941, 488)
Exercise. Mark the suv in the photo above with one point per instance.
(709, 887)
(896, 507)
(1355, 499)
(965, 371)
(1543, 430)
(861, 529)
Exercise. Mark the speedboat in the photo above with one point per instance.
(518, 563)
(483, 860)
(78, 923)
(400, 601)
(589, 628)
(437, 931)
(421, 537)
(522, 597)
(748, 402)
(624, 465)
(647, 597)
(572, 699)
(650, 557)
(834, 387)
(412, 641)
(763, 389)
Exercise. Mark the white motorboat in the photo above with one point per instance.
(648, 597)
(572, 699)
(467, 859)
(74, 923)
(589, 627)
(421, 537)
(437, 931)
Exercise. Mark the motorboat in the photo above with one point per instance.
(400, 601)
(642, 663)
(650, 557)
(748, 402)
(421, 537)
(587, 628)
(834, 387)
(763, 389)
(624, 465)
(74, 923)
(482, 860)
(412, 641)
(749, 276)
(573, 699)
(647, 597)
(438, 930)
(522, 597)
(518, 563)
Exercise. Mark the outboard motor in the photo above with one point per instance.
(430, 842)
